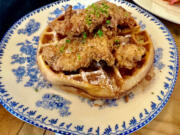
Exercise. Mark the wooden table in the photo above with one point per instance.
(166, 123)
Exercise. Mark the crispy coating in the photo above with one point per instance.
(73, 23)
(91, 34)
(77, 54)
(128, 55)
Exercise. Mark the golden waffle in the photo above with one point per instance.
(99, 83)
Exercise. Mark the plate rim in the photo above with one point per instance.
(155, 13)
(147, 120)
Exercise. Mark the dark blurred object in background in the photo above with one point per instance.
(13, 10)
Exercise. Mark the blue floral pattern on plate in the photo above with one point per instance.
(78, 6)
(52, 101)
(27, 68)
(31, 28)
(142, 25)
(38, 118)
(157, 59)
(54, 14)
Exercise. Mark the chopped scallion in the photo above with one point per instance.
(108, 21)
(88, 20)
(100, 33)
(62, 49)
(116, 41)
(126, 14)
(68, 41)
(105, 6)
(78, 56)
(84, 35)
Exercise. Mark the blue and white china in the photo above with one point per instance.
(27, 95)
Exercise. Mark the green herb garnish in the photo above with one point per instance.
(94, 6)
(62, 49)
(97, 14)
(88, 20)
(108, 21)
(84, 35)
(105, 6)
(68, 41)
(97, 10)
(103, 10)
(100, 33)
(126, 14)
(78, 56)
(116, 41)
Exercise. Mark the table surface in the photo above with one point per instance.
(166, 123)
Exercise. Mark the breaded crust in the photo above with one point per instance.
(78, 84)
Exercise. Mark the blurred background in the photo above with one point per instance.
(13, 10)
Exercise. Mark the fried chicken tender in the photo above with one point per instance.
(128, 55)
(78, 54)
(73, 23)
(100, 23)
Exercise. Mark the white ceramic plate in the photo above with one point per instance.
(162, 9)
(25, 94)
